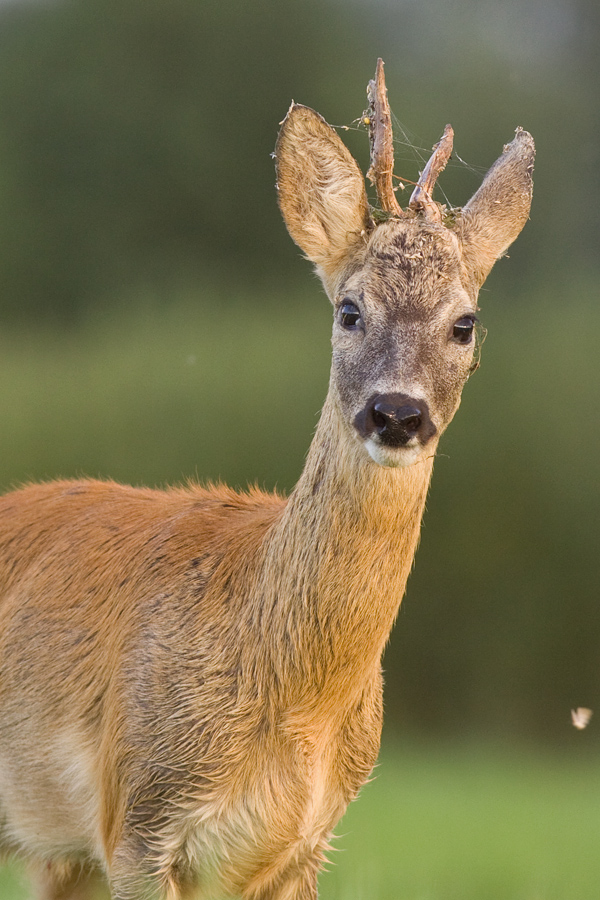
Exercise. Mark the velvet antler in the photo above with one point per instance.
(382, 143)
(422, 197)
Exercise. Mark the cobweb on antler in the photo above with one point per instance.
(410, 149)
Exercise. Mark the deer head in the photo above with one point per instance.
(404, 290)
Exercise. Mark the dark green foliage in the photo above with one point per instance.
(136, 138)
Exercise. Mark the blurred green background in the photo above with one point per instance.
(156, 321)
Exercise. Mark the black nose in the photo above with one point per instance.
(396, 419)
(396, 424)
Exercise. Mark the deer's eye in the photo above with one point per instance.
(463, 330)
(349, 315)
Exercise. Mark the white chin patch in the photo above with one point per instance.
(394, 457)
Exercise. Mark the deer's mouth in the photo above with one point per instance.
(396, 457)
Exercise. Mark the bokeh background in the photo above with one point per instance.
(157, 323)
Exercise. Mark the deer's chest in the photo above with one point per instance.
(281, 822)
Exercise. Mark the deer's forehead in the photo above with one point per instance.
(410, 265)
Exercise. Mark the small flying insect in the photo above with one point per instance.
(581, 717)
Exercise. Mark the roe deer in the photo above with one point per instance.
(190, 682)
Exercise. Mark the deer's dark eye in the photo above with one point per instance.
(463, 329)
(349, 315)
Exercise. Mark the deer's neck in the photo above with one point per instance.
(338, 560)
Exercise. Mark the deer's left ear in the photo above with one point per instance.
(321, 190)
(497, 212)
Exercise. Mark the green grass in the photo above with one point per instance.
(443, 822)
(12, 884)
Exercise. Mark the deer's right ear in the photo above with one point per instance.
(321, 190)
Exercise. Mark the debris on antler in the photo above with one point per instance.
(422, 196)
(382, 143)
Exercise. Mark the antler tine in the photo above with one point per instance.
(382, 143)
(421, 199)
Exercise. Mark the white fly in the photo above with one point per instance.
(581, 717)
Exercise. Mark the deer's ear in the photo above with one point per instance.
(497, 212)
(321, 190)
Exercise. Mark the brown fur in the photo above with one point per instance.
(190, 684)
